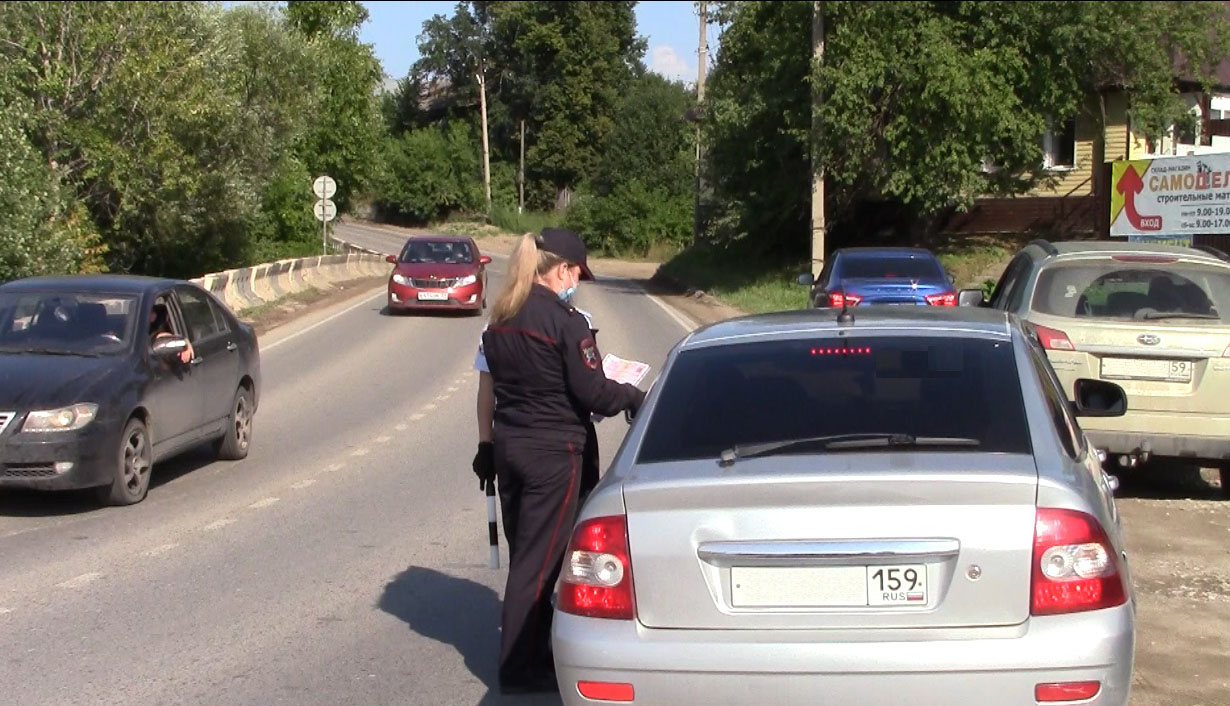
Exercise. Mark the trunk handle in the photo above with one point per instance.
(820, 553)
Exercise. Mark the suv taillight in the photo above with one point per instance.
(1054, 339)
(1075, 568)
(837, 300)
(597, 578)
(946, 299)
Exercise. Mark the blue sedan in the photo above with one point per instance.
(863, 276)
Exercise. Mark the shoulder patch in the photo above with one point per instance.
(589, 354)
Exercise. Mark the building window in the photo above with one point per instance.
(1059, 146)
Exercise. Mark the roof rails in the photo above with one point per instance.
(1213, 251)
(1046, 246)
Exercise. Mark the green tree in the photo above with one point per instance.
(344, 132)
(579, 59)
(917, 96)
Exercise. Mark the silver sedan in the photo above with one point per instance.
(900, 509)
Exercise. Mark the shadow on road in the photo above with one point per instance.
(461, 613)
(35, 503)
(1167, 480)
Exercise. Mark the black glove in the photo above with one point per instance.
(637, 401)
(484, 464)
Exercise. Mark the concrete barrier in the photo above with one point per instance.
(249, 287)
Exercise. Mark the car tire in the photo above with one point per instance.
(133, 464)
(237, 439)
(1224, 472)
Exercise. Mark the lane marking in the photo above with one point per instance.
(305, 483)
(416, 417)
(80, 581)
(158, 551)
(429, 406)
(5, 611)
(403, 427)
(263, 503)
(383, 439)
(335, 467)
(218, 524)
(383, 293)
(360, 452)
(442, 398)
(451, 390)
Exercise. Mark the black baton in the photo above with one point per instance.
(493, 535)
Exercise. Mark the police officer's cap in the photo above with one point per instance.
(567, 245)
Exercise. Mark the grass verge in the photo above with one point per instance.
(752, 284)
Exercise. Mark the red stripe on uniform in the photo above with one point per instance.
(559, 520)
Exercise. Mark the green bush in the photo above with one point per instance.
(631, 219)
(431, 173)
(507, 218)
(286, 227)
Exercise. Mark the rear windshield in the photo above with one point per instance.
(719, 397)
(877, 266)
(438, 253)
(1134, 291)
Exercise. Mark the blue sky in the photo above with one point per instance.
(670, 27)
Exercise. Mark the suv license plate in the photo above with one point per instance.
(1147, 369)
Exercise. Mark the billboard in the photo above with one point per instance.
(1170, 196)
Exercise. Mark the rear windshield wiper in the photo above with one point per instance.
(836, 442)
(1155, 315)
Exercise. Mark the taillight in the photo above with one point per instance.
(604, 691)
(597, 576)
(1074, 564)
(1054, 339)
(1066, 691)
(837, 300)
(946, 299)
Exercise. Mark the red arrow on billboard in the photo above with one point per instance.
(1131, 184)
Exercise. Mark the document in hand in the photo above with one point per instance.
(620, 370)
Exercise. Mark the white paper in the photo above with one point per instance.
(620, 370)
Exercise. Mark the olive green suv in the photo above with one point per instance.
(1154, 319)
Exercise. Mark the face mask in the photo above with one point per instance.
(566, 294)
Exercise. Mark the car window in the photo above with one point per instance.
(1105, 288)
(220, 321)
(197, 314)
(718, 397)
(1008, 281)
(1058, 409)
(438, 252)
(80, 323)
(878, 266)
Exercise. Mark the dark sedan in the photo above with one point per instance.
(103, 376)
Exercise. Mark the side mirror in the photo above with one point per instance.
(970, 297)
(952, 279)
(168, 346)
(484, 260)
(807, 279)
(1098, 398)
(391, 259)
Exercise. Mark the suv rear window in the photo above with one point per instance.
(1135, 291)
(877, 267)
(715, 398)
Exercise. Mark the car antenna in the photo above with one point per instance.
(845, 317)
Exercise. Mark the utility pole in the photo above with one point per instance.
(521, 173)
(481, 76)
(817, 168)
(702, 56)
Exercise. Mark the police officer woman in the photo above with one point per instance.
(546, 373)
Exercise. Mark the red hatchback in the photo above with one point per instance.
(438, 272)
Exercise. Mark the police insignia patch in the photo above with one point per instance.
(589, 353)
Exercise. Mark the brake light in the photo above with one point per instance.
(1054, 339)
(838, 300)
(946, 299)
(1066, 691)
(1153, 259)
(604, 691)
(1074, 565)
(597, 576)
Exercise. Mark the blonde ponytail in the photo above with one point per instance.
(524, 267)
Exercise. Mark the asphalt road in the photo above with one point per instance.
(343, 562)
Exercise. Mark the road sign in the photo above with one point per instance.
(324, 187)
(325, 210)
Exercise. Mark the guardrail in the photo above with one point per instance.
(249, 287)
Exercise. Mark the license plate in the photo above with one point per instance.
(829, 586)
(433, 296)
(1147, 369)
